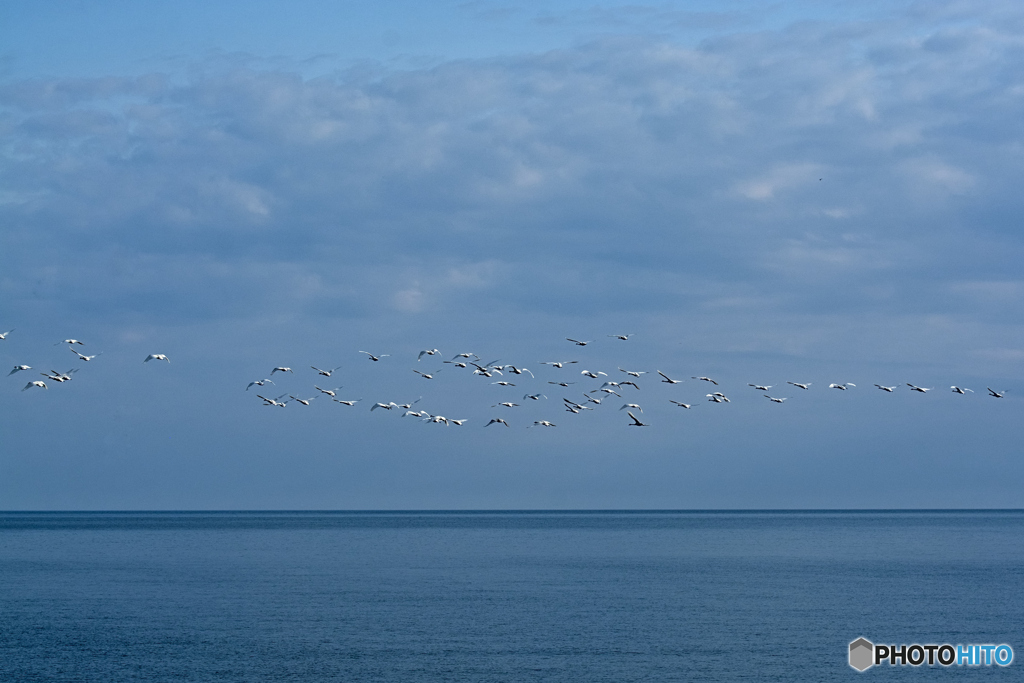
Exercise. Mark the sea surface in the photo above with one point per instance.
(501, 596)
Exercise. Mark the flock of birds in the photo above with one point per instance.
(502, 375)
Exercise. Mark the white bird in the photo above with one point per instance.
(503, 383)
(544, 423)
(423, 374)
(85, 357)
(159, 356)
(633, 373)
(281, 369)
(629, 383)
(558, 363)
(259, 383)
(456, 363)
(591, 399)
(636, 422)
(347, 403)
(329, 392)
(534, 397)
(578, 342)
(888, 389)
(761, 387)
(458, 423)
(841, 387)
(914, 387)
(59, 376)
(66, 341)
(466, 355)
(517, 371)
(325, 373)
(415, 413)
(438, 419)
(669, 380)
(375, 358)
(798, 385)
(303, 401)
(385, 406)
(681, 405)
(995, 394)
(623, 337)
(609, 384)
(19, 368)
(407, 405)
(718, 397)
(3, 335)
(507, 404)
(496, 420)
(273, 401)
(36, 383)
(593, 375)
(636, 406)
(775, 400)
(427, 352)
(610, 391)
(961, 390)
(562, 384)
(706, 379)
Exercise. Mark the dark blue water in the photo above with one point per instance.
(500, 596)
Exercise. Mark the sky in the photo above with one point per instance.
(759, 193)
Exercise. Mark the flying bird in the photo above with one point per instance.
(800, 386)
(329, 392)
(3, 335)
(578, 342)
(37, 383)
(914, 387)
(888, 389)
(558, 363)
(496, 420)
(544, 423)
(507, 404)
(303, 401)
(623, 337)
(281, 369)
(517, 371)
(562, 384)
(961, 390)
(534, 397)
(259, 383)
(669, 380)
(761, 387)
(347, 403)
(841, 387)
(66, 341)
(19, 368)
(594, 375)
(775, 400)
(635, 406)
(633, 373)
(160, 356)
(423, 374)
(375, 358)
(273, 401)
(706, 379)
(84, 357)
(325, 373)
(427, 352)
(503, 383)
(995, 394)
(681, 405)
(636, 422)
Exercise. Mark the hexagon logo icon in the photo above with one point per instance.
(862, 654)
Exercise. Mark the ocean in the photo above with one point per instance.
(501, 596)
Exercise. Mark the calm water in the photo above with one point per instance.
(500, 596)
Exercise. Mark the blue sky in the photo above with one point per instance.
(759, 193)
